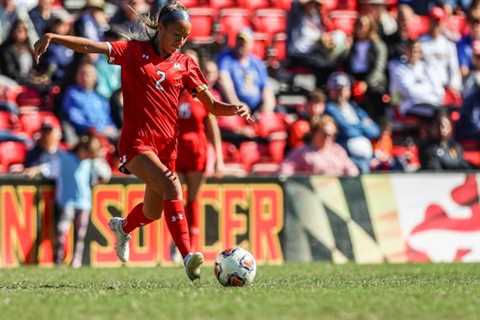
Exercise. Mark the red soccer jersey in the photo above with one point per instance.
(151, 86)
(192, 116)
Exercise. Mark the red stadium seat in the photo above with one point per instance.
(203, 19)
(5, 120)
(50, 117)
(344, 20)
(28, 97)
(344, 4)
(232, 21)
(220, 4)
(253, 4)
(261, 41)
(270, 21)
(417, 26)
(12, 152)
(30, 121)
(330, 4)
(191, 3)
(282, 4)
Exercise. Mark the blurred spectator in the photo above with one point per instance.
(75, 173)
(57, 59)
(309, 43)
(243, 77)
(421, 7)
(464, 46)
(321, 156)
(92, 22)
(397, 41)
(125, 19)
(377, 9)
(108, 75)
(441, 54)
(367, 63)
(84, 108)
(16, 57)
(416, 86)
(212, 75)
(356, 129)
(8, 15)
(441, 151)
(46, 147)
(41, 16)
(468, 127)
(313, 111)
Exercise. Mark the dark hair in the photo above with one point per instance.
(316, 96)
(10, 39)
(171, 12)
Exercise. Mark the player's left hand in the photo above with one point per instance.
(244, 112)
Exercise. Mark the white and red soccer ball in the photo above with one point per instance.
(235, 267)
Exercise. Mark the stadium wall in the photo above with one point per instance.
(371, 219)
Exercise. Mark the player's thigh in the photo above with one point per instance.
(152, 203)
(194, 181)
(148, 167)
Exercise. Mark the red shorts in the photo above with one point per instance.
(192, 154)
(134, 143)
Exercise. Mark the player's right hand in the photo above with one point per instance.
(244, 112)
(41, 46)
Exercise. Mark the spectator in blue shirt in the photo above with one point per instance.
(58, 58)
(355, 128)
(41, 16)
(84, 108)
(46, 147)
(92, 22)
(243, 77)
(75, 172)
(464, 46)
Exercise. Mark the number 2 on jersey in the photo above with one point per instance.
(158, 83)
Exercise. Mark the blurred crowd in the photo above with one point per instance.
(338, 87)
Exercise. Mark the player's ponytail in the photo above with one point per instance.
(171, 12)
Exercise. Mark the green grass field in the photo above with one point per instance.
(308, 291)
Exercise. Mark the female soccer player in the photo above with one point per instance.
(154, 73)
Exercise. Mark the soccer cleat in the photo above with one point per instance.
(193, 262)
(121, 246)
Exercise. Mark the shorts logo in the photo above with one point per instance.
(177, 217)
(123, 160)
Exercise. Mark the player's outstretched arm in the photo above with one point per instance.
(78, 44)
(219, 108)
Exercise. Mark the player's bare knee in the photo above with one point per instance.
(173, 188)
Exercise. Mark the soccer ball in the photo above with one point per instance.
(235, 267)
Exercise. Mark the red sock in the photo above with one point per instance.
(193, 214)
(135, 219)
(177, 224)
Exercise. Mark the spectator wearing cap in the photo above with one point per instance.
(58, 58)
(355, 128)
(46, 147)
(243, 77)
(310, 43)
(468, 126)
(367, 63)
(41, 15)
(84, 108)
(322, 155)
(464, 46)
(441, 54)
(92, 22)
(414, 85)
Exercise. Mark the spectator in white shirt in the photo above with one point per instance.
(414, 85)
(440, 53)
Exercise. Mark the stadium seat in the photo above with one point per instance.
(30, 121)
(330, 4)
(203, 19)
(50, 117)
(270, 21)
(12, 152)
(282, 4)
(344, 4)
(28, 97)
(191, 3)
(5, 120)
(253, 4)
(344, 20)
(417, 26)
(221, 4)
(232, 21)
(261, 41)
